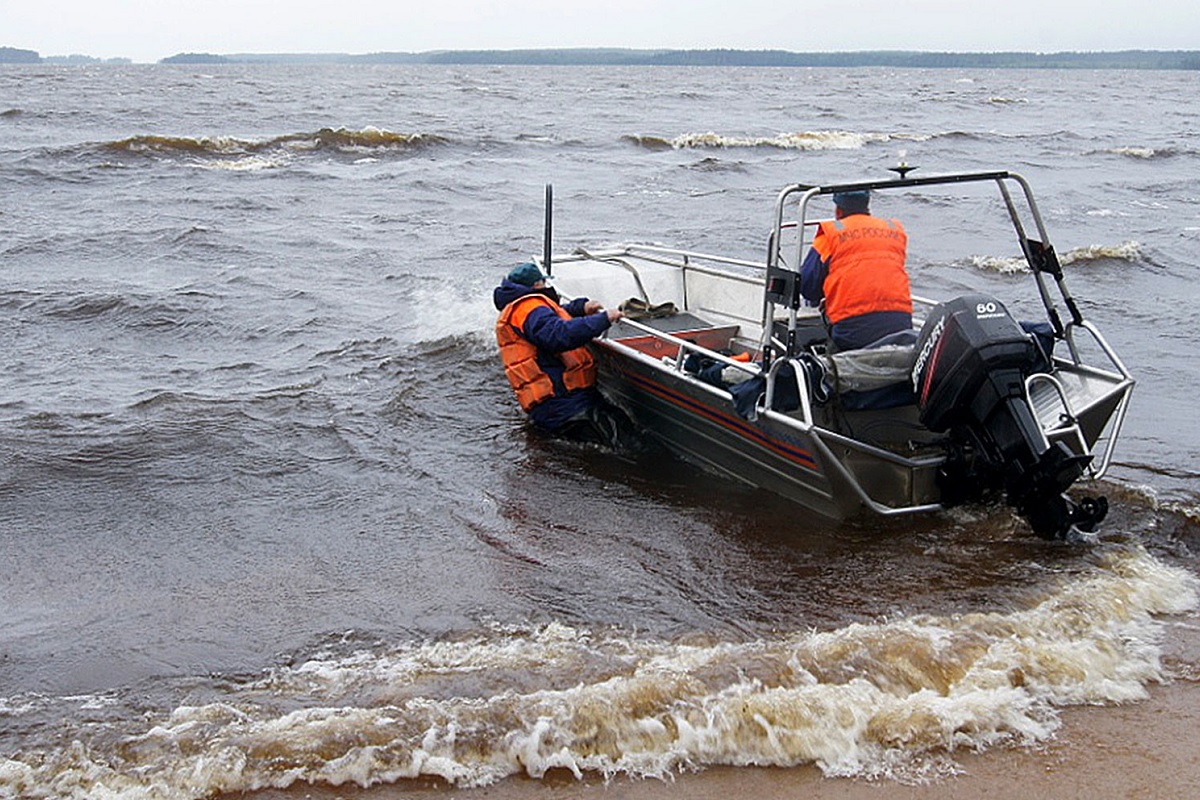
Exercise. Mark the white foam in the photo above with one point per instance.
(1124, 251)
(1007, 265)
(806, 140)
(250, 163)
(1135, 152)
(893, 699)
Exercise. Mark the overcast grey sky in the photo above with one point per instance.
(147, 30)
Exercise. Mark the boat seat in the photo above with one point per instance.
(878, 376)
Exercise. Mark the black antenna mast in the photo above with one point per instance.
(546, 266)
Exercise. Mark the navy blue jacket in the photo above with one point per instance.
(551, 335)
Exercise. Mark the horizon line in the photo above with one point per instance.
(645, 56)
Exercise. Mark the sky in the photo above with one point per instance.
(148, 30)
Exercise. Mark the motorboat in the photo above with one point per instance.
(721, 359)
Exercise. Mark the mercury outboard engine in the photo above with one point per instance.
(969, 377)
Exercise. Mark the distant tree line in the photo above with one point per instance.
(196, 58)
(1124, 59)
(1128, 59)
(11, 55)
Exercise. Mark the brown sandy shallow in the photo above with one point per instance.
(1148, 749)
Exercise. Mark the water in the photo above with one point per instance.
(270, 514)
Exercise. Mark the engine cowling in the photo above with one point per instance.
(972, 359)
(966, 345)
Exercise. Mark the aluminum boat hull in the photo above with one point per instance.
(838, 463)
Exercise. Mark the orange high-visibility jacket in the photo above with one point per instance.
(527, 378)
(866, 256)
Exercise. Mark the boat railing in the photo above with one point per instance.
(1068, 419)
(1038, 252)
(823, 438)
(1070, 428)
(684, 347)
(830, 458)
(693, 267)
(1100, 341)
(617, 259)
(802, 389)
(686, 260)
(1125, 385)
(807, 192)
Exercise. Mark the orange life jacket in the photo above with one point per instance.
(525, 374)
(866, 266)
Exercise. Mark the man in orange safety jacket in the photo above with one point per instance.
(856, 266)
(543, 347)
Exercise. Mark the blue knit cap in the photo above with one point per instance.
(526, 274)
(852, 202)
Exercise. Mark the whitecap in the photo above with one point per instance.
(804, 140)
(1008, 265)
(1135, 152)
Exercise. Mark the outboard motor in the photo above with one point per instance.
(969, 377)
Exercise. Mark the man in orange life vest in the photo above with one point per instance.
(545, 359)
(856, 265)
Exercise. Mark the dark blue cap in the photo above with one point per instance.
(526, 274)
(852, 202)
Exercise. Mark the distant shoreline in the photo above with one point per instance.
(1124, 59)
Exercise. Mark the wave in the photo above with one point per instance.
(890, 699)
(1136, 152)
(1174, 509)
(238, 153)
(175, 313)
(344, 140)
(127, 310)
(1007, 265)
(710, 164)
(1143, 153)
(810, 140)
(807, 140)
(649, 142)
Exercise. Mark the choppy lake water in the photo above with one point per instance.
(270, 514)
